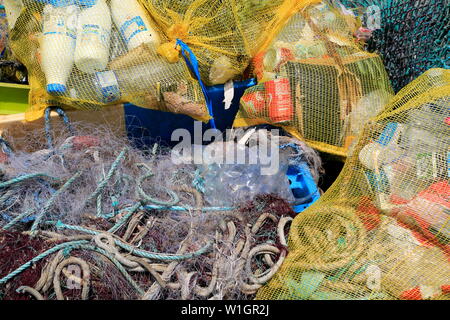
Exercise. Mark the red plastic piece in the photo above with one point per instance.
(412, 294)
(368, 213)
(85, 142)
(3, 157)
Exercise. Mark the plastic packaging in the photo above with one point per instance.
(94, 28)
(12, 8)
(58, 43)
(430, 212)
(386, 148)
(221, 70)
(132, 23)
(326, 85)
(363, 239)
(227, 184)
(114, 85)
(369, 106)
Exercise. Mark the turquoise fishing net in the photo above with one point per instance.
(413, 35)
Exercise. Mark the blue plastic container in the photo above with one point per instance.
(303, 186)
(146, 126)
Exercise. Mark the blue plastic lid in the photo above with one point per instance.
(61, 3)
(86, 3)
(56, 88)
(388, 133)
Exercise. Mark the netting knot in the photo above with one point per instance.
(169, 50)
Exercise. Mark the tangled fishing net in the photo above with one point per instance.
(90, 217)
(316, 81)
(411, 36)
(90, 53)
(382, 230)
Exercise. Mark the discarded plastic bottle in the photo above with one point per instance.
(138, 80)
(93, 36)
(377, 157)
(132, 23)
(13, 8)
(385, 149)
(58, 43)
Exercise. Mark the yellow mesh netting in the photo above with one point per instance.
(224, 35)
(382, 231)
(105, 68)
(90, 53)
(316, 81)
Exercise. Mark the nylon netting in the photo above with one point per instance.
(316, 81)
(90, 53)
(382, 230)
(411, 35)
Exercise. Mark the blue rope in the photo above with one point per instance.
(138, 252)
(24, 217)
(199, 182)
(48, 126)
(52, 200)
(8, 198)
(6, 147)
(99, 205)
(40, 257)
(18, 218)
(125, 218)
(165, 208)
(101, 186)
(173, 196)
(169, 208)
(187, 208)
(68, 247)
(192, 64)
(165, 257)
(26, 177)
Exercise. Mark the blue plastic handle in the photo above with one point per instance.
(192, 63)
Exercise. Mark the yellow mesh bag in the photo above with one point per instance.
(224, 35)
(209, 28)
(316, 81)
(90, 53)
(382, 231)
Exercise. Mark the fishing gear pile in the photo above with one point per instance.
(90, 217)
